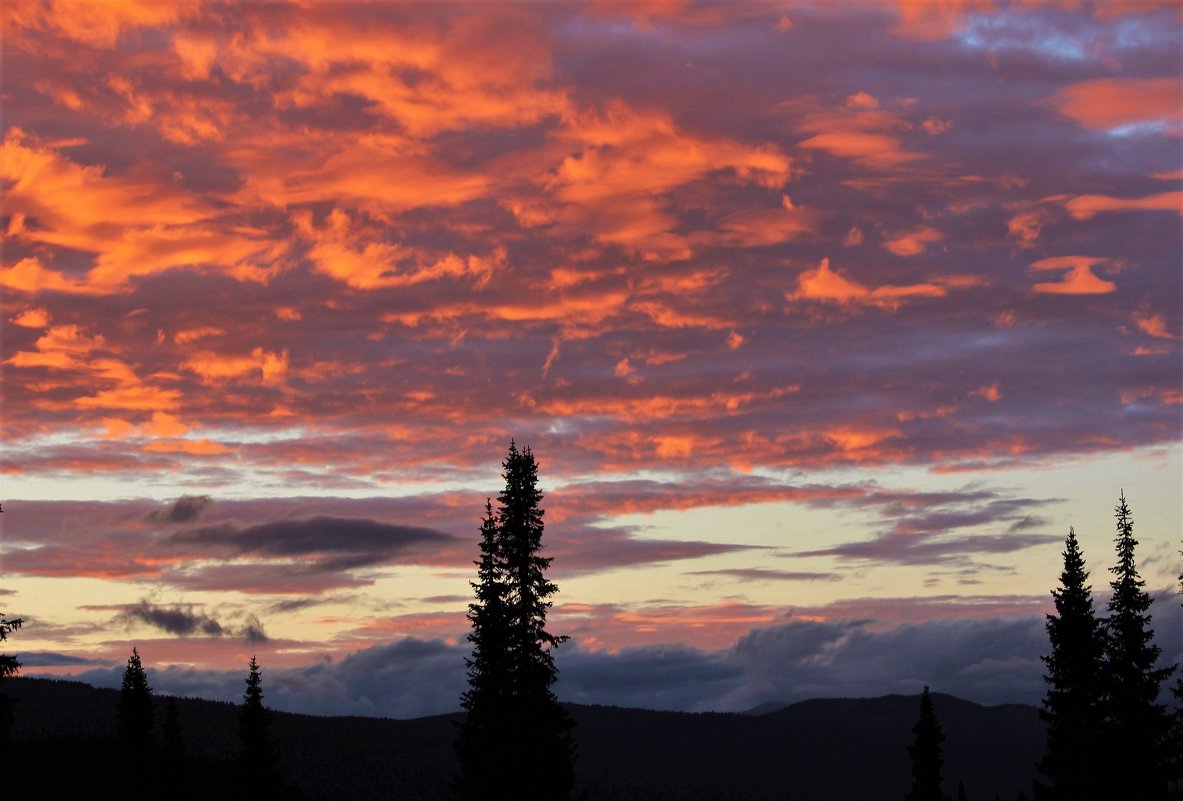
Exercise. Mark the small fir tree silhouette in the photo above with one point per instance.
(1073, 708)
(961, 791)
(515, 740)
(925, 751)
(1138, 733)
(135, 707)
(258, 758)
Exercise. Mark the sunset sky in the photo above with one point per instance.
(824, 321)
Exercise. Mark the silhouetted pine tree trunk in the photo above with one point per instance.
(1138, 725)
(516, 740)
(926, 755)
(1072, 708)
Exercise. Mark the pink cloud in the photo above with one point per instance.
(1079, 278)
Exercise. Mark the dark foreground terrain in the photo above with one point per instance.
(63, 746)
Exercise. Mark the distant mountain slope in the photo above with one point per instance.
(820, 749)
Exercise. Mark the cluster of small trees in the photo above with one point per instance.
(1107, 733)
(515, 740)
(256, 763)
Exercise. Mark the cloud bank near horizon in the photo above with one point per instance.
(991, 660)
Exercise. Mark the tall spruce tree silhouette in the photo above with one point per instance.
(515, 741)
(1073, 708)
(135, 708)
(258, 760)
(925, 751)
(1138, 727)
(135, 718)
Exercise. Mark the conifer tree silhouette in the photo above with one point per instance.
(1073, 708)
(482, 736)
(135, 707)
(925, 751)
(258, 759)
(1138, 726)
(8, 667)
(515, 740)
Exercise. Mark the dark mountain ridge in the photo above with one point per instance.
(845, 748)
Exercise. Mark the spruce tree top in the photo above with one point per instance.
(135, 680)
(1132, 640)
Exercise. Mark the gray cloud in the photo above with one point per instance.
(186, 620)
(185, 509)
(179, 619)
(36, 659)
(336, 543)
(766, 574)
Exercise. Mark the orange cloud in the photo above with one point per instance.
(192, 334)
(852, 441)
(1083, 207)
(135, 225)
(271, 367)
(914, 243)
(618, 162)
(859, 130)
(1079, 278)
(339, 250)
(990, 393)
(31, 318)
(663, 407)
(379, 173)
(61, 347)
(763, 227)
(94, 24)
(1155, 326)
(825, 284)
(28, 276)
(1107, 103)
(138, 396)
(195, 447)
